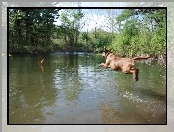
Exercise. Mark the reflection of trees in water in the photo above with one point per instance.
(73, 89)
(70, 60)
(30, 91)
(70, 81)
(68, 78)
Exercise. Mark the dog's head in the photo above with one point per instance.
(106, 53)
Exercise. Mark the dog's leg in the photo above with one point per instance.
(105, 65)
(135, 74)
(132, 71)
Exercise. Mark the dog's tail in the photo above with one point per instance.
(141, 57)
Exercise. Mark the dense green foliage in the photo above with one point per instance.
(31, 29)
(141, 31)
(138, 31)
(69, 30)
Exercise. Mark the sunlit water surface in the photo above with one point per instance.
(72, 89)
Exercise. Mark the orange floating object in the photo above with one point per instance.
(41, 61)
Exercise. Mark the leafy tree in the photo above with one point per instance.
(141, 31)
(31, 27)
(71, 25)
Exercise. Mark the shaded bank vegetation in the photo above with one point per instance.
(131, 32)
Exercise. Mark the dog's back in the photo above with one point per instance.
(122, 64)
(126, 65)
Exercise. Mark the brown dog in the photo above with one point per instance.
(126, 65)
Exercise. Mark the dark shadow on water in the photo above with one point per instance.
(151, 94)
